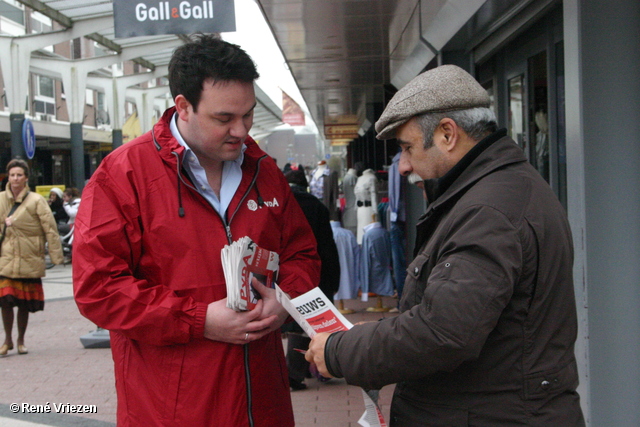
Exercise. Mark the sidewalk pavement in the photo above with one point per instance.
(60, 372)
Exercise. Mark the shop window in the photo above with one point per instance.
(40, 24)
(11, 12)
(88, 96)
(44, 100)
(561, 135)
(538, 114)
(488, 86)
(45, 86)
(516, 111)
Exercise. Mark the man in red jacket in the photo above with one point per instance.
(147, 266)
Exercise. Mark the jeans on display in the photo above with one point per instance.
(397, 256)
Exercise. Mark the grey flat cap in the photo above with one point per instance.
(442, 89)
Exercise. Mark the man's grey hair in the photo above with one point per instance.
(475, 122)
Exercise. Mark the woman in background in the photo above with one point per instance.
(56, 205)
(71, 198)
(27, 224)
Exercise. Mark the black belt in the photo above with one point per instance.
(365, 203)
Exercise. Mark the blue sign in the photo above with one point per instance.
(28, 138)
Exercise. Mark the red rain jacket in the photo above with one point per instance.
(147, 274)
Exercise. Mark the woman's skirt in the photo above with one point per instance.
(22, 293)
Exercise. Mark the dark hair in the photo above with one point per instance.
(18, 163)
(296, 177)
(207, 57)
(72, 192)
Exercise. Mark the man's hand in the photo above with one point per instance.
(226, 325)
(315, 354)
(272, 306)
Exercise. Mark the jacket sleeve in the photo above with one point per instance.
(464, 295)
(299, 260)
(50, 230)
(107, 248)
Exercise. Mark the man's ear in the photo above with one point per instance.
(183, 107)
(449, 133)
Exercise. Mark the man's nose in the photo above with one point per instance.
(404, 167)
(239, 129)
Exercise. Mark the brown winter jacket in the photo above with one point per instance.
(488, 323)
(33, 225)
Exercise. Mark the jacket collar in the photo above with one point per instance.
(485, 157)
(21, 195)
(167, 145)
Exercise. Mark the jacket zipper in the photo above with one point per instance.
(227, 226)
(247, 371)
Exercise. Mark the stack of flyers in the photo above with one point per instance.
(241, 261)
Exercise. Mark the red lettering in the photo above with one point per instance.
(174, 13)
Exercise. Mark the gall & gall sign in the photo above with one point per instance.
(144, 18)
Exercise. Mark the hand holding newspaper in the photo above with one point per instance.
(241, 261)
(315, 314)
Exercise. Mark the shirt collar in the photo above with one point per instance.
(176, 134)
(372, 226)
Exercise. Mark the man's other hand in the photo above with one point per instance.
(272, 306)
(226, 325)
(315, 354)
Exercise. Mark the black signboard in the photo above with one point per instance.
(145, 18)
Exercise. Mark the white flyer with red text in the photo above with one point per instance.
(315, 314)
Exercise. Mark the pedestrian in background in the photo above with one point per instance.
(318, 216)
(71, 199)
(56, 204)
(27, 225)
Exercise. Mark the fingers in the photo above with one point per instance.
(264, 291)
(315, 354)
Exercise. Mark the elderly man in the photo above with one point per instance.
(488, 324)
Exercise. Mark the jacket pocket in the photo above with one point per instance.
(415, 282)
(409, 413)
(553, 381)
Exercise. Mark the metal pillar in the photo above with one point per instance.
(77, 156)
(116, 137)
(17, 147)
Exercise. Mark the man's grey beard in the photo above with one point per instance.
(414, 178)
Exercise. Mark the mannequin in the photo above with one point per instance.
(348, 255)
(366, 201)
(375, 273)
(349, 214)
(316, 185)
(320, 170)
(324, 185)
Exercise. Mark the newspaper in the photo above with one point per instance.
(315, 314)
(241, 261)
